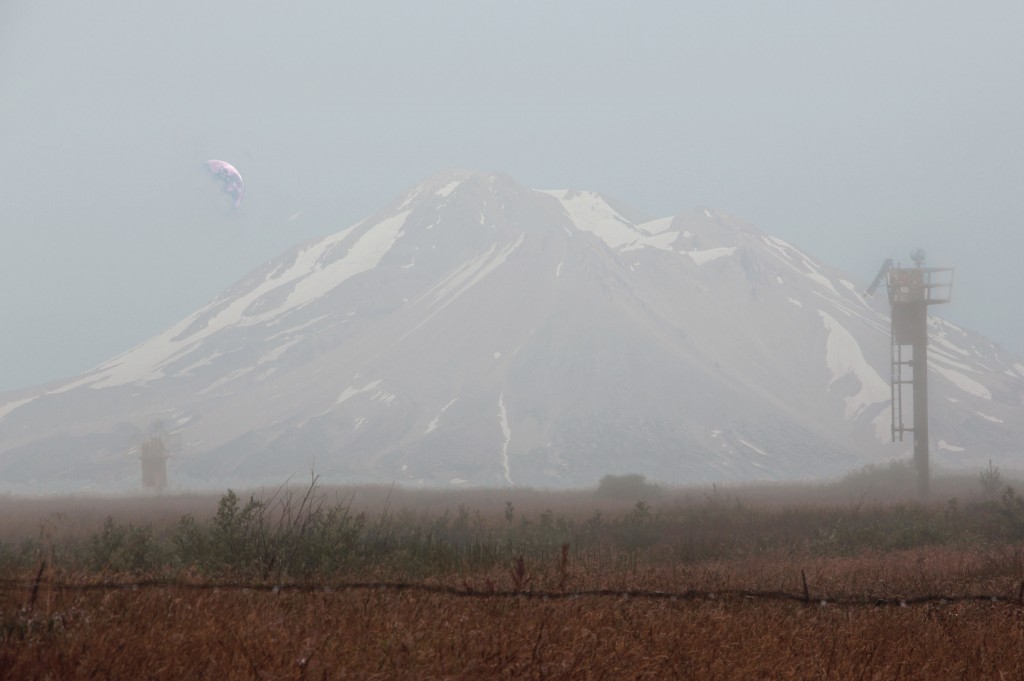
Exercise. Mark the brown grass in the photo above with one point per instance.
(57, 623)
(177, 634)
(180, 632)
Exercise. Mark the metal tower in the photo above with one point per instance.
(911, 291)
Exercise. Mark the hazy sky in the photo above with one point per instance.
(856, 130)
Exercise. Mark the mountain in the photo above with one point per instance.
(480, 332)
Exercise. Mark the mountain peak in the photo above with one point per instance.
(444, 183)
(477, 330)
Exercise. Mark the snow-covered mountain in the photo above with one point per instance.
(476, 331)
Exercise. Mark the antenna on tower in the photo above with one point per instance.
(911, 291)
(883, 270)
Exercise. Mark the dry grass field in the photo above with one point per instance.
(180, 634)
(310, 584)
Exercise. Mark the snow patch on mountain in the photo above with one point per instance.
(589, 212)
(432, 426)
(464, 277)
(656, 226)
(844, 357)
(351, 391)
(224, 380)
(277, 352)
(940, 355)
(506, 434)
(968, 385)
(872, 318)
(856, 294)
(709, 254)
(316, 280)
(819, 278)
(472, 271)
(939, 338)
(206, 361)
(448, 188)
(142, 364)
(755, 448)
(11, 406)
(792, 257)
(299, 327)
(309, 276)
(384, 397)
(662, 241)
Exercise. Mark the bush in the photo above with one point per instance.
(991, 481)
(125, 548)
(631, 486)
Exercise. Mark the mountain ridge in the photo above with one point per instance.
(475, 331)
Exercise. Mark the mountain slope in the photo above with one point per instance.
(476, 331)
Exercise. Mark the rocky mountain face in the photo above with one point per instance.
(480, 332)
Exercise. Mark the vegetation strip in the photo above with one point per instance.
(624, 594)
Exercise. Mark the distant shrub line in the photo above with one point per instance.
(303, 534)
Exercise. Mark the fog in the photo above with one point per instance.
(857, 132)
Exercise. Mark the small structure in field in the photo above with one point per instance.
(153, 454)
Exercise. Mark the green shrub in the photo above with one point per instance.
(125, 548)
